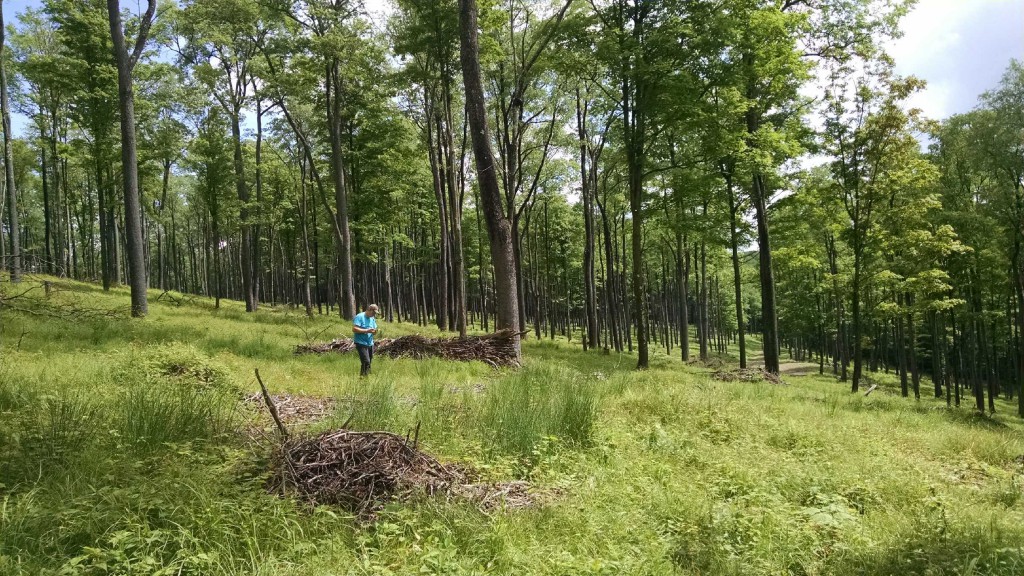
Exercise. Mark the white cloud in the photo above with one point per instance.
(960, 47)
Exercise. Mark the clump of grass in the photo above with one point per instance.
(68, 422)
(373, 405)
(12, 396)
(48, 436)
(149, 417)
(523, 409)
(176, 363)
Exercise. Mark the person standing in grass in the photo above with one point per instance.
(364, 326)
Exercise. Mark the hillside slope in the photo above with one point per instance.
(125, 448)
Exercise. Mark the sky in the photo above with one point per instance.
(960, 47)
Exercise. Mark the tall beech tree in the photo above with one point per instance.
(138, 277)
(12, 188)
(499, 228)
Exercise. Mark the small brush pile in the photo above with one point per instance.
(359, 471)
(341, 346)
(296, 409)
(749, 375)
(496, 350)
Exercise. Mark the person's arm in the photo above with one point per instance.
(357, 329)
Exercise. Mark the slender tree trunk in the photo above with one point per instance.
(635, 132)
(12, 192)
(734, 212)
(683, 271)
(499, 228)
(62, 268)
(858, 344)
(242, 190)
(346, 297)
(436, 164)
(915, 375)
(769, 316)
(589, 287)
(704, 323)
(611, 297)
(47, 203)
(457, 195)
(256, 266)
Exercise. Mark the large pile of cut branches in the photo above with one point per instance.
(359, 470)
(496, 349)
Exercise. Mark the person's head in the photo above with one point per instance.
(371, 310)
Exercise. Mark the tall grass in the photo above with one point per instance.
(523, 409)
(149, 417)
(371, 405)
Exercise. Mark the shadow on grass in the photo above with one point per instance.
(982, 552)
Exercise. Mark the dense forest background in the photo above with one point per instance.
(662, 171)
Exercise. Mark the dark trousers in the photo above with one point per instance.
(365, 358)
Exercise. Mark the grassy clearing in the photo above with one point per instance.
(120, 454)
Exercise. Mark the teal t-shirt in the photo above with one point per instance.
(365, 322)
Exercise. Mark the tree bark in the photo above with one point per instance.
(734, 211)
(12, 192)
(499, 228)
(346, 296)
(589, 284)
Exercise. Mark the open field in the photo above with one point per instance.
(125, 448)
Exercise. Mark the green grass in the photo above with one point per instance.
(122, 452)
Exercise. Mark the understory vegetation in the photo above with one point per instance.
(126, 448)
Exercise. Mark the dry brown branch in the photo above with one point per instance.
(271, 407)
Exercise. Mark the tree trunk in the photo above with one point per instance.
(434, 143)
(499, 229)
(769, 316)
(242, 191)
(12, 192)
(611, 294)
(734, 209)
(256, 232)
(589, 287)
(858, 344)
(457, 200)
(635, 127)
(346, 296)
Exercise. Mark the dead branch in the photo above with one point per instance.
(272, 407)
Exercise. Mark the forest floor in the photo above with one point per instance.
(127, 447)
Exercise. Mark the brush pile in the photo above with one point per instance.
(359, 471)
(340, 346)
(749, 375)
(496, 350)
(296, 409)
